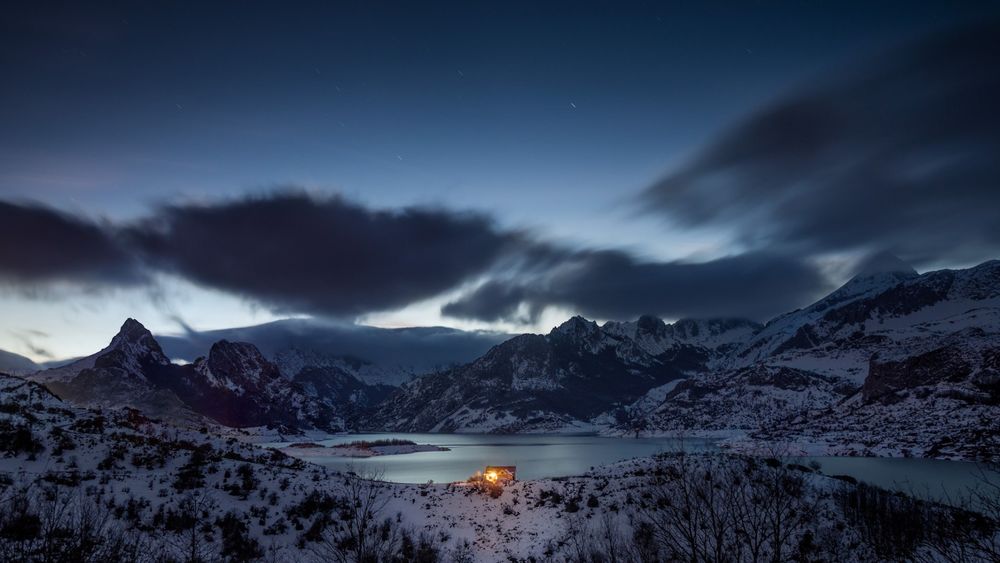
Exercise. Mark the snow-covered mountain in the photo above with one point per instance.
(121, 374)
(560, 381)
(712, 339)
(889, 342)
(234, 385)
(293, 361)
(16, 364)
(340, 382)
(890, 349)
(760, 396)
(873, 368)
(131, 351)
(876, 313)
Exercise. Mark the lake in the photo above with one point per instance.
(540, 456)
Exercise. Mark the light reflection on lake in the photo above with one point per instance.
(540, 456)
(536, 456)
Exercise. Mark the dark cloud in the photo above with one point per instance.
(330, 257)
(614, 285)
(496, 300)
(325, 256)
(39, 245)
(901, 155)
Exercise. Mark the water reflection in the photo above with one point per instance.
(540, 456)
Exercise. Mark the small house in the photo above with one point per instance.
(500, 473)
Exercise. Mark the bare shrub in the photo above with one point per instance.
(53, 524)
(362, 533)
(723, 508)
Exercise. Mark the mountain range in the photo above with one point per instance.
(234, 385)
(560, 381)
(891, 363)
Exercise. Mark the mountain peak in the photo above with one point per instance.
(650, 323)
(238, 361)
(876, 273)
(136, 340)
(883, 263)
(132, 329)
(226, 347)
(576, 325)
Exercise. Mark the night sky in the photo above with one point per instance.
(487, 165)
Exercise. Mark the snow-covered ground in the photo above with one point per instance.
(168, 492)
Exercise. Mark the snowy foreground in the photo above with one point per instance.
(87, 485)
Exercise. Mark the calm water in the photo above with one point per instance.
(926, 478)
(538, 456)
(535, 456)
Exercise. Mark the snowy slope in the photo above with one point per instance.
(535, 383)
(16, 364)
(885, 355)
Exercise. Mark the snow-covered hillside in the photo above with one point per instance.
(557, 382)
(892, 363)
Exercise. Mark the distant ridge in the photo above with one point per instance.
(16, 364)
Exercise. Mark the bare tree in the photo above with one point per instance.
(362, 534)
(686, 510)
(612, 539)
(53, 524)
(724, 508)
(787, 507)
(971, 531)
(193, 542)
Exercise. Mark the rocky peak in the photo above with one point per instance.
(686, 329)
(238, 362)
(875, 274)
(576, 327)
(578, 333)
(654, 326)
(133, 333)
(136, 344)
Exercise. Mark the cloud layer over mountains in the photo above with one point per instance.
(611, 284)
